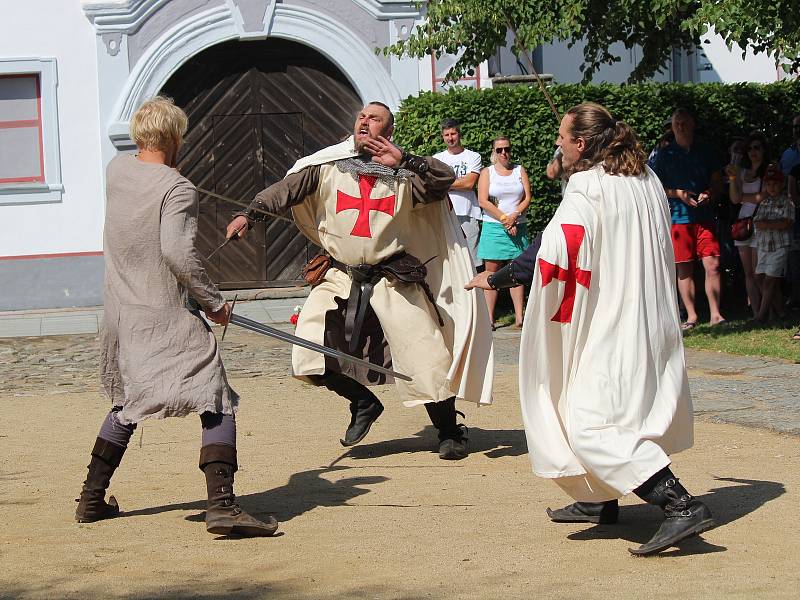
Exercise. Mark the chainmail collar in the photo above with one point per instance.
(358, 166)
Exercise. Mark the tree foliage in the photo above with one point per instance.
(476, 28)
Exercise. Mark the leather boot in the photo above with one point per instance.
(223, 514)
(684, 515)
(605, 513)
(452, 436)
(91, 504)
(365, 408)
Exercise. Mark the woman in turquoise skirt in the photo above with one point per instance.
(504, 194)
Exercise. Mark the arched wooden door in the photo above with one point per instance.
(255, 108)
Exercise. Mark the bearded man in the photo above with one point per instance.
(379, 214)
(604, 392)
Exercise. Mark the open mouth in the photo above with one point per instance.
(363, 131)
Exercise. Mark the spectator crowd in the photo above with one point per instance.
(729, 214)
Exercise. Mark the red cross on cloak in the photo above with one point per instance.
(571, 276)
(364, 205)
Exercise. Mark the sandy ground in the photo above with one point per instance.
(387, 519)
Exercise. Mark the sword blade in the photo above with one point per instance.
(257, 327)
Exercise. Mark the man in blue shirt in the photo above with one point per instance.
(691, 176)
(791, 156)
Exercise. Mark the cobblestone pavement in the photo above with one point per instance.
(748, 391)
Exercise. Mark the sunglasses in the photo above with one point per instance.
(506, 149)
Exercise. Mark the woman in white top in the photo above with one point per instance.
(504, 194)
(745, 190)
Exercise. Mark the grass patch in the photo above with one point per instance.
(744, 338)
(737, 337)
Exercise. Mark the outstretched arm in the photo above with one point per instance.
(289, 191)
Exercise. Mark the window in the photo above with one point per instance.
(439, 68)
(21, 159)
(30, 169)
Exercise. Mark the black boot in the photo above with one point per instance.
(365, 408)
(92, 505)
(452, 437)
(605, 513)
(684, 515)
(223, 515)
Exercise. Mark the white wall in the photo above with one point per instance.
(59, 28)
(729, 67)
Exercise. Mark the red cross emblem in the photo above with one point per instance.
(364, 205)
(571, 276)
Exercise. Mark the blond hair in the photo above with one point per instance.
(158, 124)
(609, 142)
(499, 138)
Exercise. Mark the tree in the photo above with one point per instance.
(476, 28)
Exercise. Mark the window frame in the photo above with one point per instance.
(435, 81)
(51, 188)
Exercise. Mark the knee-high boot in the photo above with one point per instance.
(452, 439)
(91, 504)
(223, 514)
(684, 515)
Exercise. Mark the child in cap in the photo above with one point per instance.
(773, 232)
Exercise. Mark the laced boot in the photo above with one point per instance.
(452, 435)
(365, 408)
(223, 514)
(605, 513)
(91, 504)
(684, 515)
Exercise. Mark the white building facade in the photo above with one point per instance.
(72, 72)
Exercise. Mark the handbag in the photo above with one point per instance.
(314, 270)
(742, 229)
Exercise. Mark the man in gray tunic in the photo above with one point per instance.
(158, 359)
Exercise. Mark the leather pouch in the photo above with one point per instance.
(314, 270)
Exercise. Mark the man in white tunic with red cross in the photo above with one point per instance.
(605, 396)
(379, 214)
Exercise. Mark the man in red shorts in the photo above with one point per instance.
(691, 176)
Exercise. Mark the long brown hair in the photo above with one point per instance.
(609, 142)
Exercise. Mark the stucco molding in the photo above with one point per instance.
(191, 36)
(384, 10)
(123, 16)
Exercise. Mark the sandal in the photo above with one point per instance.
(687, 325)
(796, 336)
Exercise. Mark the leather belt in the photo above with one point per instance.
(364, 277)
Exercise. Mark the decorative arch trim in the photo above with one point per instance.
(188, 38)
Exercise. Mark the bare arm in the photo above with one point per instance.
(467, 182)
(526, 196)
(775, 224)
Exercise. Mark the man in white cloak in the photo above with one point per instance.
(604, 392)
(379, 213)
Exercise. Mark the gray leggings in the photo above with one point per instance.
(217, 429)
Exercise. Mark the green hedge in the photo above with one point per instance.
(521, 112)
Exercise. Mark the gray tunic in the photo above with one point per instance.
(157, 358)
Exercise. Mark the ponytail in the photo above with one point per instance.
(609, 142)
